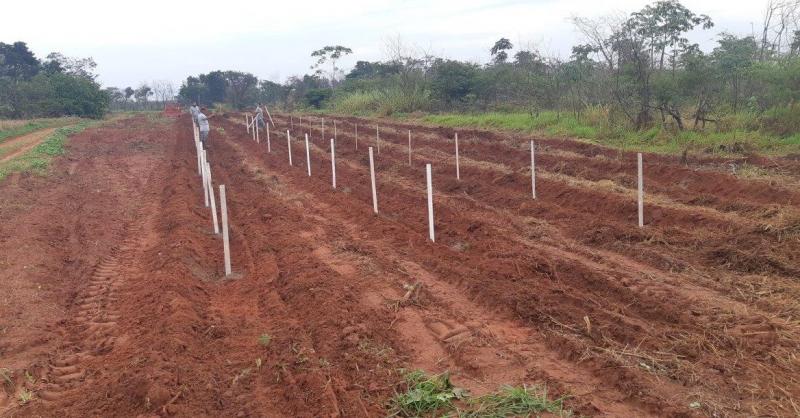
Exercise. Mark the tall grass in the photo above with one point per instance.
(383, 102)
(743, 136)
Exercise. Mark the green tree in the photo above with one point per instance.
(330, 54)
(499, 49)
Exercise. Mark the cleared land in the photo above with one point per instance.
(115, 304)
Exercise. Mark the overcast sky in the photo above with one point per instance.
(143, 40)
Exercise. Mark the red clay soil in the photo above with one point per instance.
(116, 305)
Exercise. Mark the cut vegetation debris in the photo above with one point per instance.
(436, 396)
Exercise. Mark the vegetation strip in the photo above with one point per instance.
(38, 159)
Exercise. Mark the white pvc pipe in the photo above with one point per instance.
(372, 178)
(333, 161)
(641, 190)
(213, 202)
(291, 122)
(356, 136)
(378, 138)
(308, 157)
(533, 170)
(226, 247)
(269, 145)
(431, 234)
(289, 146)
(254, 129)
(409, 147)
(197, 148)
(258, 139)
(458, 168)
(205, 178)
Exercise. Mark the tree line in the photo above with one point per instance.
(56, 86)
(635, 71)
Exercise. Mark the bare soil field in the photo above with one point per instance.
(114, 300)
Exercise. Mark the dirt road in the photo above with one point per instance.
(117, 306)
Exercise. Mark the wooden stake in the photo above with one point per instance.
(247, 121)
(431, 234)
(323, 128)
(533, 170)
(269, 145)
(226, 248)
(458, 169)
(641, 190)
(372, 178)
(308, 157)
(213, 202)
(258, 139)
(254, 129)
(289, 146)
(333, 161)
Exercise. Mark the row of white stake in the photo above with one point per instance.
(427, 169)
(204, 171)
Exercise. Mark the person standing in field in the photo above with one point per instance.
(202, 123)
(259, 116)
(195, 110)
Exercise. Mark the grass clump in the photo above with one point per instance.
(425, 395)
(514, 402)
(436, 396)
(264, 340)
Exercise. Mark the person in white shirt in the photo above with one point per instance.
(195, 110)
(259, 116)
(202, 123)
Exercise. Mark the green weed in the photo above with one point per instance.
(425, 395)
(514, 401)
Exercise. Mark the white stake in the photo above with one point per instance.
(533, 170)
(225, 240)
(431, 234)
(254, 129)
(197, 148)
(458, 169)
(289, 146)
(308, 157)
(378, 138)
(205, 178)
(247, 121)
(269, 145)
(300, 122)
(333, 161)
(641, 191)
(323, 129)
(356, 136)
(409, 147)
(372, 178)
(291, 122)
(213, 202)
(334, 129)
(258, 139)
